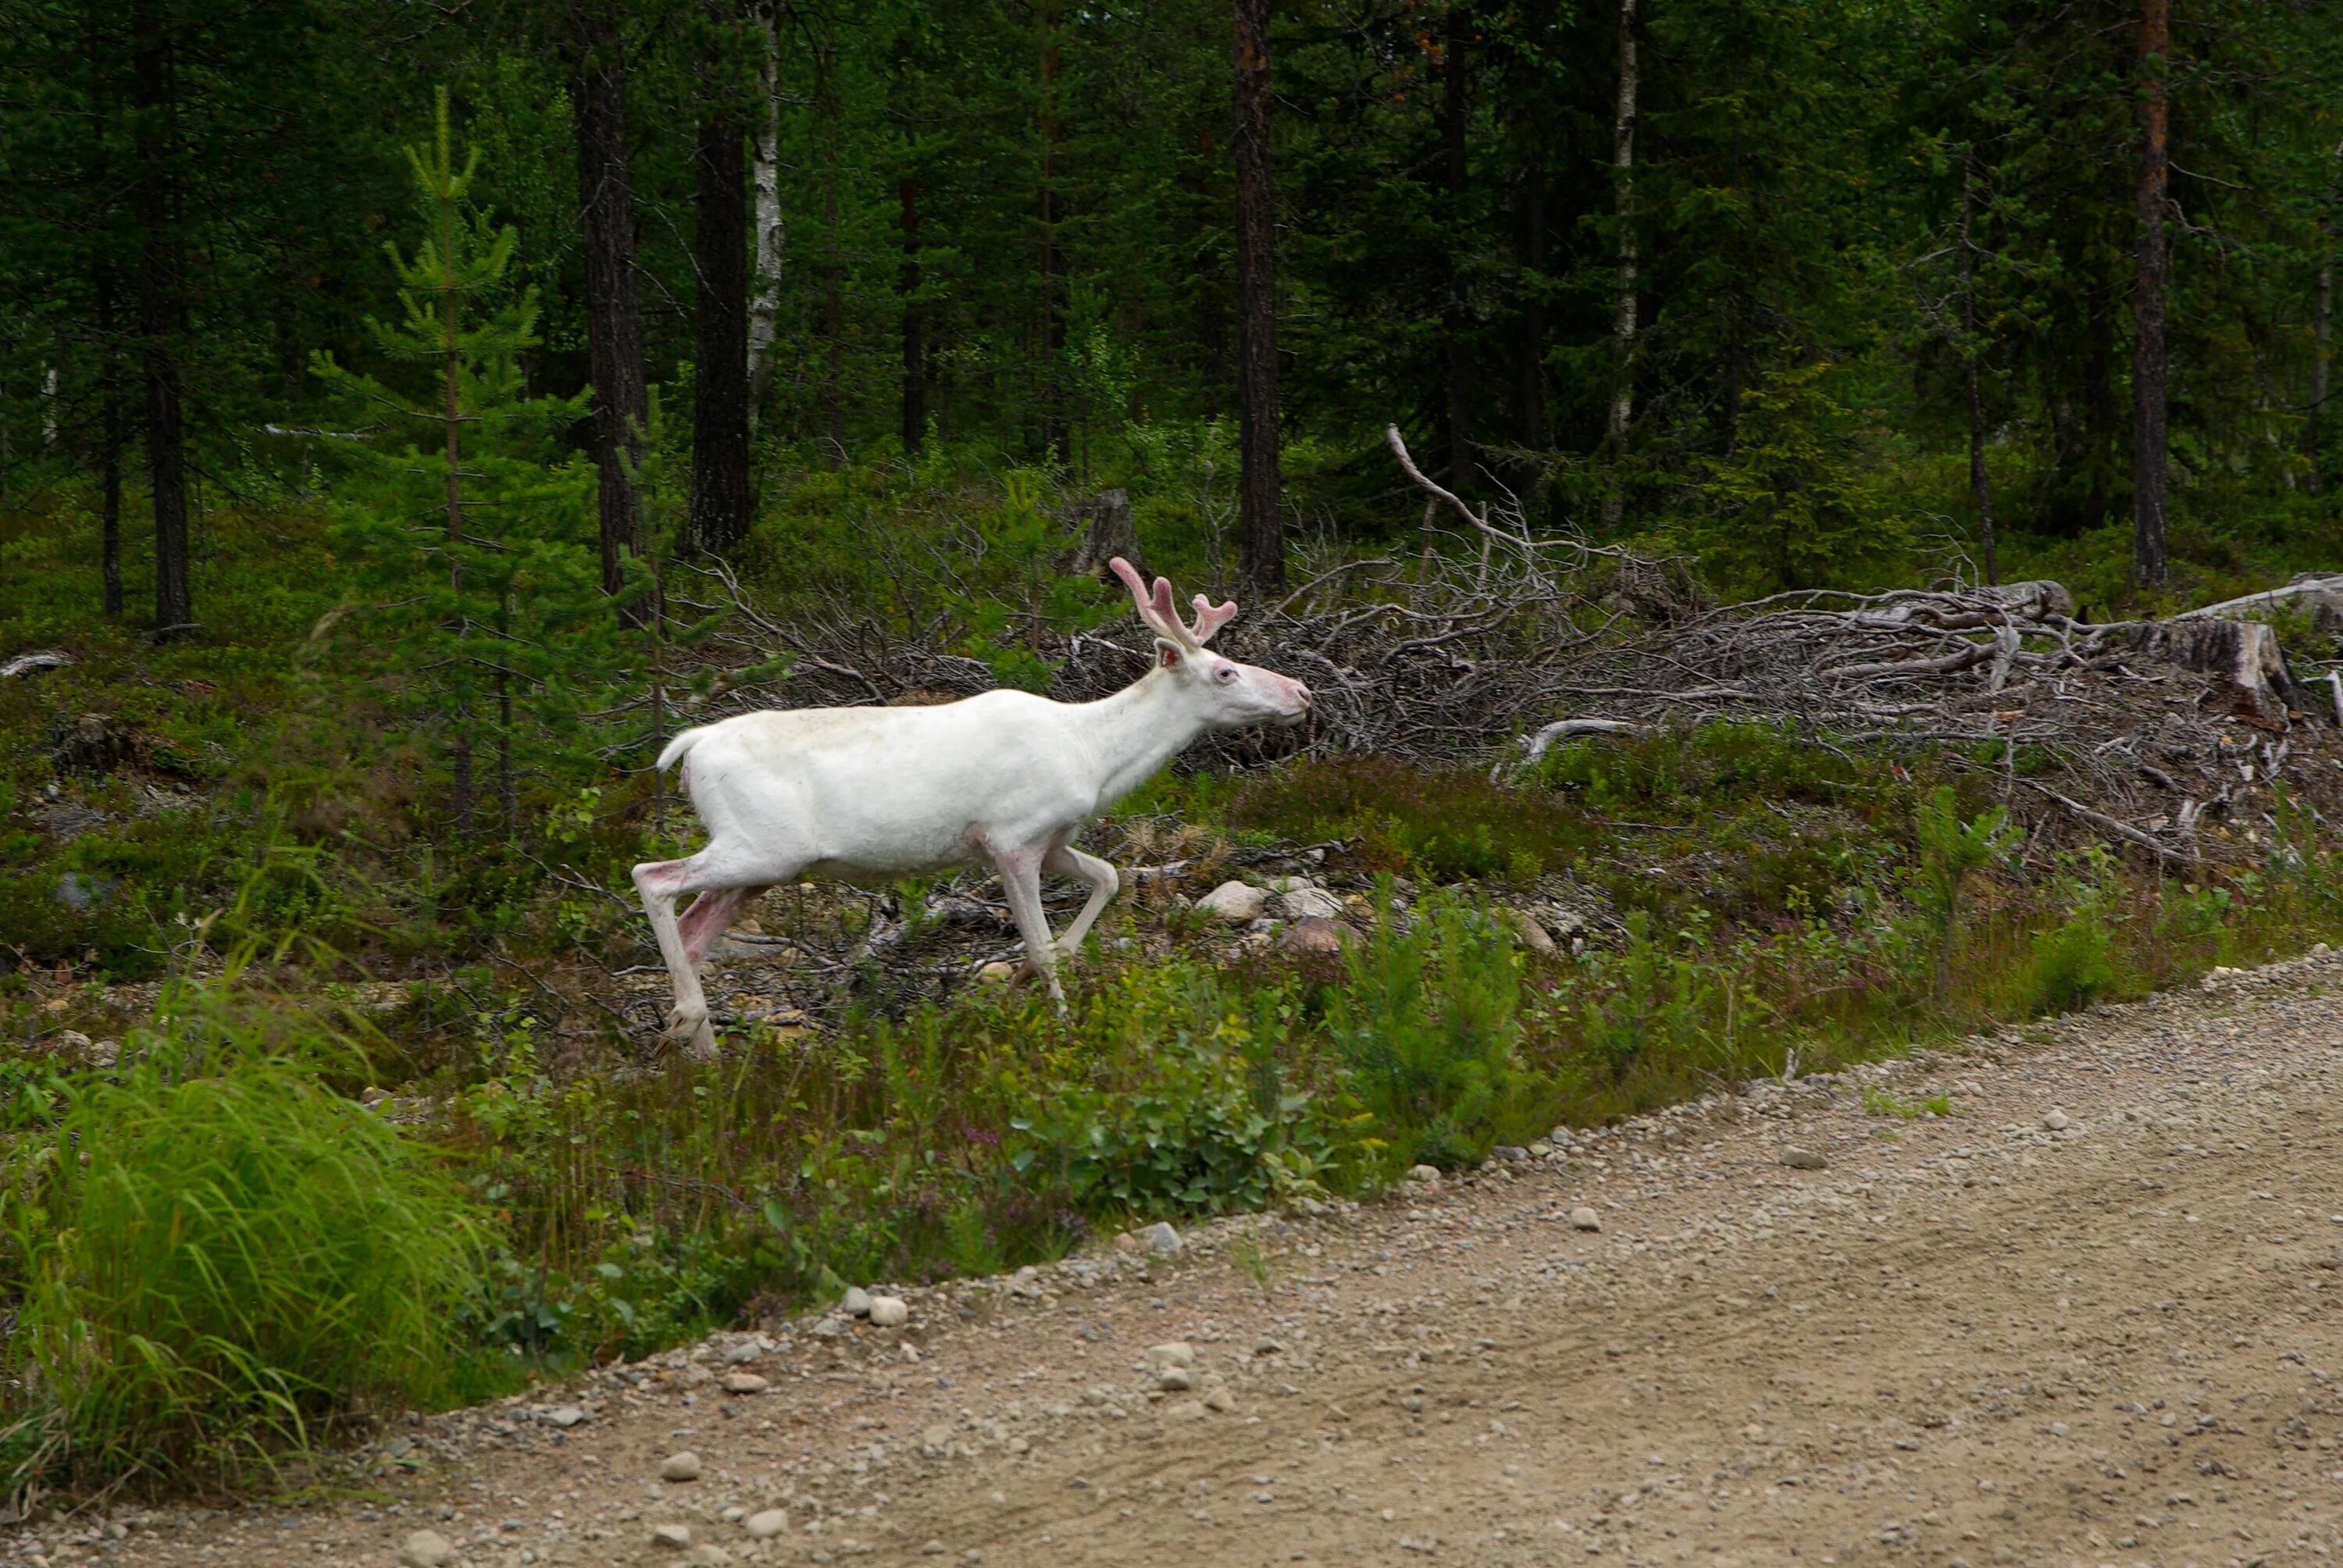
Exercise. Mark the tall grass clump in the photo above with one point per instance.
(222, 1261)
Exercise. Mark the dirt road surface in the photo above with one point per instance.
(2088, 1317)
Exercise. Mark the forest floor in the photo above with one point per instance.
(2066, 1296)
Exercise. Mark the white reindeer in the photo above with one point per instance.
(1005, 776)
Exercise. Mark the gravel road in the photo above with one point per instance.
(2088, 1316)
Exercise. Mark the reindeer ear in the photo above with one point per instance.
(1167, 654)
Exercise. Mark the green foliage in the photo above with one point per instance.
(1951, 852)
(464, 519)
(1795, 505)
(1449, 826)
(223, 1260)
(2073, 962)
(1429, 1022)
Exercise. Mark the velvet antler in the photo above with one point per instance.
(1155, 609)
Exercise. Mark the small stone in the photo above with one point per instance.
(1175, 1379)
(563, 1415)
(743, 1353)
(1162, 1238)
(827, 1329)
(1175, 1353)
(1265, 1346)
(734, 1514)
(1559, 1137)
(855, 1302)
(426, 1549)
(683, 1466)
(890, 1311)
(744, 1383)
(1234, 903)
(708, 1555)
(1318, 935)
(2056, 1121)
(1219, 1400)
(1799, 1159)
(937, 1437)
(764, 1526)
(1533, 936)
(1124, 1242)
(999, 971)
(933, 1549)
(1310, 904)
(674, 1537)
(1184, 1410)
(1586, 1219)
(1425, 1175)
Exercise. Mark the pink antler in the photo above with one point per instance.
(1209, 620)
(1155, 609)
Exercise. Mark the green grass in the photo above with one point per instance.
(221, 1261)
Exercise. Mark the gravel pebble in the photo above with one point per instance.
(680, 1466)
(675, 1537)
(889, 1312)
(1586, 1219)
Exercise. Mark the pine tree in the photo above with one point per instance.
(471, 527)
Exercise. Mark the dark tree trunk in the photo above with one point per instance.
(1980, 487)
(2150, 534)
(1533, 345)
(109, 457)
(906, 283)
(833, 286)
(721, 502)
(1053, 303)
(1454, 110)
(160, 311)
(614, 324)
(1260, 520)
(2322, 330)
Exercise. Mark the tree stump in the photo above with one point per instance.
(1109, 529)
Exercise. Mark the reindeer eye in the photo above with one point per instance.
(1225, 674)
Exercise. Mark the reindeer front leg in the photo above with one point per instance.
(1067, 862)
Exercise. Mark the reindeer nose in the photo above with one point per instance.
(1303, 692)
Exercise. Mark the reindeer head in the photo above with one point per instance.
(1231, 694)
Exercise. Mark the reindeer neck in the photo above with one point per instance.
(1136, 731)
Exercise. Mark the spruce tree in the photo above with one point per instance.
(472, 528)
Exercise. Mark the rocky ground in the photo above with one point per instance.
(2066, 1297)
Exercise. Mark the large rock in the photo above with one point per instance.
(1533, 935)
(1234, 903)
(426, 1549)
(1305, 903)
(1318, 936)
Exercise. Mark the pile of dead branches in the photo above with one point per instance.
(1490, 636)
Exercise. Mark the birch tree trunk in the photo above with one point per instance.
(765, 298)
(2150, 531)
(1262, 522)
(1623, 311)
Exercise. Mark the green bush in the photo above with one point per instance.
(223, 1260)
